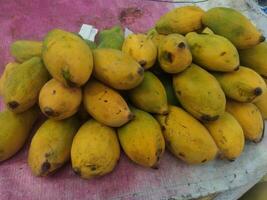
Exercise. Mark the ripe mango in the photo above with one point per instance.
(15, 129)
(155, 36)
(111, 38)
(8, 68)
(50, 146)
(150, 95)
(186, 137)
(234, 26)
(243, 85)
(23, 50)
(180, 20)
(142, 139)
(95, 150)
(255, 58)
(250, 119)
(199, 93)
(105, 104)
(173, 54)
(67, 57)
(213, 52)
(228, 136)
(141, 48)
(22, 86)
(261, 103)
(119, 71)
(58, 101)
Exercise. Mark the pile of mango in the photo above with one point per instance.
(194, 82)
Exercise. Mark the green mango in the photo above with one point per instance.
(111, 38)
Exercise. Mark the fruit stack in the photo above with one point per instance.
(194, 82)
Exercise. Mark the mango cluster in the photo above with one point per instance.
(195, 83)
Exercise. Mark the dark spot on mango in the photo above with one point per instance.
(223, 53)
(262, 38)
(54, 92)
(140, 71)
(181, 154)
(167, 56)
(45, 167)
(50, 112)
(258, 91)
(209, 118)
(77, 171)
(12, 105)
(179, 92)
(181, 45)
(142, 63)
(163, 128)
(92, 167)
(205, 160)
(105, 101)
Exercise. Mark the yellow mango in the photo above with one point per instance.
(261, 103)
(228, 136)
(213, 52)
(250, 119)
(233, 25)
(142, 139)
(150, 95)
(243, 85)
(14, 131)
(186, 137)
(173, 54)
(255, 58)
(23, 84)
(58, 101)
(23, 50)
(95, 150)
(119, 71)
(180, 20)
(199, 93)
(67, 57)
(155, 36)
(105, 104)
(9, 67)
(50, 146)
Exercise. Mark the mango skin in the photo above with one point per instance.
(8, 68)
(50, 146)
(187, 138)
(67, 57)
(23, 50)
(150, 95)
(234, 26)
(111, 38)
(15, 129)
(155, 36)
(261, 103)
(23, 84)
(180, 20)
(173, 54)
(213, 52)
(250, 119)
(58, 101)
(120, 71)
(95, 150)
(105, 104)
(255, 58)
(142, 139)
(199, 93)
(244, 84)
(141, 48)
(228, 136)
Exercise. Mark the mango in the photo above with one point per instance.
(141, 48)
(173, 54)
(228, 136)
(142, 139)
(180, 20)
(50, 146)
(255, 58)
(261, 103)
(105, 104)
(15, 129)
(150, 95)
(58, 101)
(187, 138)
(250, 119)
(23, 84)
(95, 150)
(213, 52)
(67, 57)
(111, 38)
(155, 36)
(23, 50)
(234, 26)
(119, 71)
(8, 68)
(199, 93)
(243, 85)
